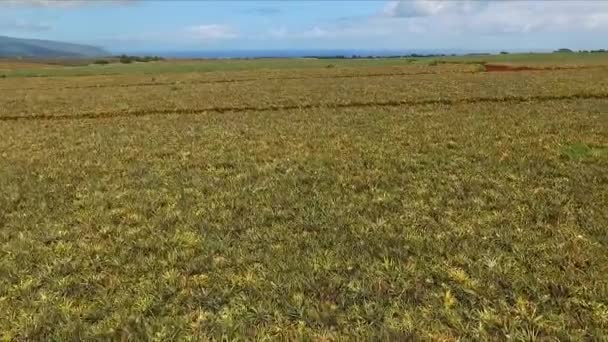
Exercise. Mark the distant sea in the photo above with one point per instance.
(297, 53)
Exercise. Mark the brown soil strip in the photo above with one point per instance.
(506, 68)
(394, 103)
(488, 68)
(514, 68)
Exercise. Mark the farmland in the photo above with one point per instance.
(305, 199)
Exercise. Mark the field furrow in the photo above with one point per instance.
(297, 93)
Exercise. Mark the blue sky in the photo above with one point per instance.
(132, 25)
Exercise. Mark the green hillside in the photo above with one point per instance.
(17, 47)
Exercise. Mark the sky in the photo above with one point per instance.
(170, 25)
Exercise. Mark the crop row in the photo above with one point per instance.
(354, 104)
(281, 94)
(128, 80)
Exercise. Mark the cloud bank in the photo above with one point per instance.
(485, 16)
(460, 23)
(426, 8)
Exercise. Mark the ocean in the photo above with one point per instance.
(294, 53)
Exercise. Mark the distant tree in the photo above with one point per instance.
(563, 50)
(124, 59)
(101, 62)
(150, 59)
(504, 52)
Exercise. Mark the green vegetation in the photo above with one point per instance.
(538, 59)
(376, 200)
(578, 151)
(130, 59)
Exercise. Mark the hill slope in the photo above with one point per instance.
(17, 47)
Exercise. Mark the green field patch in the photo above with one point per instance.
(583, 151)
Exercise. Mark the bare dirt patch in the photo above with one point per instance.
(517, 68)
(507, 68)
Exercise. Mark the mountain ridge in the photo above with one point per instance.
(38, 48)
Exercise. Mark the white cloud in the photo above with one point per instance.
(597, 20)
(62, 3)
(544, 16)
(23, 26)
(327, 32)
(184, 37)
(211, 32)
(424, 8)
(279, 32)
(495, 17)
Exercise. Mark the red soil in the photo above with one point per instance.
(507, 68)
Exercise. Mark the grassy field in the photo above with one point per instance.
(287, 200)
(185, 66)
(538, 59)
(26, 68)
